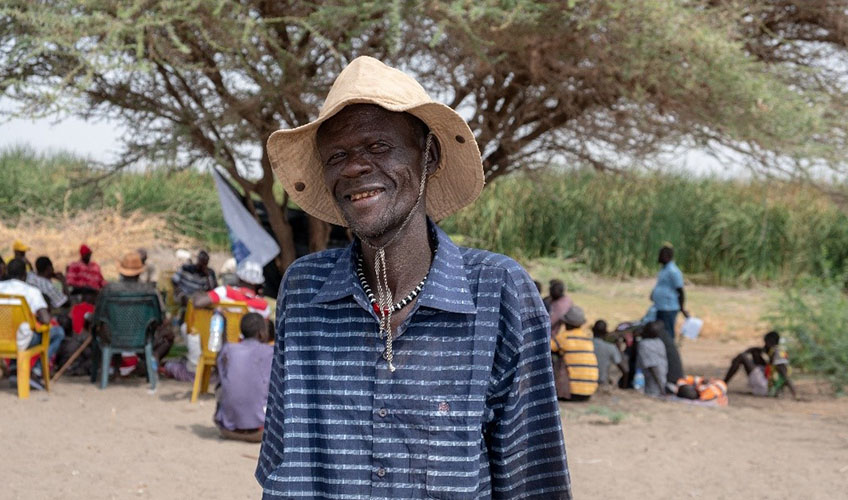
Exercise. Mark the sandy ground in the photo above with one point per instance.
(124, 442)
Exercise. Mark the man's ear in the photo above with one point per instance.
(434, 155)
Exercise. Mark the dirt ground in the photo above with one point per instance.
(126, 442)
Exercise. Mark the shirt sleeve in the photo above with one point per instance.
(526, 450)
(217, 294)
(271, 452)
(677, 278)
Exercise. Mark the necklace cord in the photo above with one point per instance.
(384, 293)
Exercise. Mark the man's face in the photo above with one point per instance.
(86, 258)
(372, 166)
(202, 262)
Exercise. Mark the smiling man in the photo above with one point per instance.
(404, 366)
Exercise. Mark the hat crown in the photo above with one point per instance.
(250, 272)
(366, 79)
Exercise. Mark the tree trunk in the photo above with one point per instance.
(279, 225)
(319, 234)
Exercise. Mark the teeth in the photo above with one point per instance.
(366, 194)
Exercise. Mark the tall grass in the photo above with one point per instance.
(724, 232)
(45, 185)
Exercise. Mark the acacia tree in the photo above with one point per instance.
(597, 82)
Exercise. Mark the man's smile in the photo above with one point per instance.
(364, 197)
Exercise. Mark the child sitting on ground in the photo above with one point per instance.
(244, 371)
(767, 367)
(607, 353)
(652, 359)
(710, 391)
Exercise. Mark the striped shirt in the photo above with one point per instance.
(470, 412)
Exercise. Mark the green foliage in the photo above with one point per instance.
(47, 185)
(723, 232)
(816, 318)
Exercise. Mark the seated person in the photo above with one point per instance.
(130, 269)
(250, 279)
(767, 367)
(244, 371)
(651, 358)
(41, 279)
(84, 274)
(16, 285)
(184, 369)
(607, 353)
(705, 390)
(192, 279)
(576, 349)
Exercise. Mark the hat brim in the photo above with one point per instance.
(130, 272)
(457, 181)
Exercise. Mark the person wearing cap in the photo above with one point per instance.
(405, 366)
(19, 250)
(250, 279)
(16, 285)
(84, 275)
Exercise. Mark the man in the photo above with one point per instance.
(404, 366)
(575, 348)
(767, 367)
(250, 279)
(653, 360)
(16, 285)
(129, 270)
(667, 295)
(193, 278)
(41, 279)
(84, 275)
(244, 369)
(19, 250)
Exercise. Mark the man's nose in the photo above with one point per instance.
(357, 164)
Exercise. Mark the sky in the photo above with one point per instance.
(100, 142)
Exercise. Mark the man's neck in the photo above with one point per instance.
(408, 259)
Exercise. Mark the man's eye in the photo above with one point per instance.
(378, 147)
(336, 158)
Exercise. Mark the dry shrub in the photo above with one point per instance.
(106, 231)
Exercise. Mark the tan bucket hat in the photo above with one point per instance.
(294, 157)
(131, 264)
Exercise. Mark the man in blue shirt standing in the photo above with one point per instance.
(667, 295)
(404, 366)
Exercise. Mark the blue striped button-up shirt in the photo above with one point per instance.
(470, 412)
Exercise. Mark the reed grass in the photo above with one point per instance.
(723, 232)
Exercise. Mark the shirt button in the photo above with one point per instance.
(381, 472)
(383, 412)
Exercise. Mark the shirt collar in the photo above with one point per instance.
(446, 287)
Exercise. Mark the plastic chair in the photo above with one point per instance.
(131, 319)
(197, 322)
(14, 311)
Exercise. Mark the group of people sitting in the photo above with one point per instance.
(69, 302)
(647, 357)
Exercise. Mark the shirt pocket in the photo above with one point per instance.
(453, 455)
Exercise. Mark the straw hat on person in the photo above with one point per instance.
(131, 264)
(294, 156)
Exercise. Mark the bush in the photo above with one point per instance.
(815, 317)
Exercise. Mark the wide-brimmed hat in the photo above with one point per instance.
(131, 264)
(456, 182)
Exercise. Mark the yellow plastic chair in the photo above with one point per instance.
(14, 311)
(197, 322)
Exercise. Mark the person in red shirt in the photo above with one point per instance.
(250, 278)
(84, 274)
